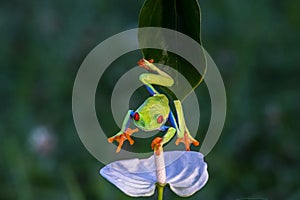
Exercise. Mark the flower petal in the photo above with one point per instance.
(187, 174)
(134, 177)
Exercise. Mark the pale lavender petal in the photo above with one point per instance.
(134, 177)
(186, 173)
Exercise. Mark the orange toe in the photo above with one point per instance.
(156, 145)
(187, 141)
(111, 139)
(141, 62)
(195, 143)
(156, 142)
(121, 138)
(128, 134)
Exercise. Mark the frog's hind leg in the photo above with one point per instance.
(148, 79)
(183, 133)
(155, 76)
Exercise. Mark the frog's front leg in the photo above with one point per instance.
(125, 132)
(158, 142)
(183, 133)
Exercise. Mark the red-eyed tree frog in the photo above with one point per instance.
(155, 112)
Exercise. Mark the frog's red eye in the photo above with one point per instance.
(160, 119)
(136, 116)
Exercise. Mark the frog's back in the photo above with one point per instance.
(159, 99)
(158, 102)
(153, 107)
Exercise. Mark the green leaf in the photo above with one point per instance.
(181, 15)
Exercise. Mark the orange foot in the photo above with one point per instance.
(121, 138)
(187, 140)
(143, 63)
(156, 145)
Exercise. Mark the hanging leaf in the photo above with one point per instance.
(181, 15)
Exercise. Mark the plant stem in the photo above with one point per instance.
(160, 172)
(160, 191)
(160, 167)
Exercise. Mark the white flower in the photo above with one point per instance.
(186, 173)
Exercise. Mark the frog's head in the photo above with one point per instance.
(148, 122)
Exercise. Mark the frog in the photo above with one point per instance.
(155, 112)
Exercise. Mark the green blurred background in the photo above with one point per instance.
(254, 43)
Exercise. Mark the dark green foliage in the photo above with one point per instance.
(182, 16)
(173, 15)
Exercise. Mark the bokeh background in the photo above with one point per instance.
(42, 44)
